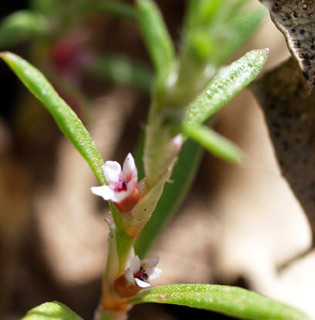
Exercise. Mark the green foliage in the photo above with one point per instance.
(44, 6)
(51, 311)
(121, 70)
(115, 8)
(22, 26)
(157, 40)
(225, 85)
(214, 143)
(66, 119)
(231, 301)
(241, 28)
(214, 30)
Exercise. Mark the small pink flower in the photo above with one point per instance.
(122, 186)
(142, 272)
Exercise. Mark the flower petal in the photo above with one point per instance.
(135, 265)
(103, 191)
(129, 277)
(112, 170)
(150, 263)
(130, 169)
(155, 274)
(142, 284)
(121, 195)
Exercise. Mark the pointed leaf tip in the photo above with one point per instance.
(67, 120)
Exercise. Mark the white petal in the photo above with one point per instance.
(142, 284)
(177, 142)
(150, 263)
(129, 277)
(103, 191)
(135, 265)
(112, 170)
(129, 168)
(155, 274)
(121, 195)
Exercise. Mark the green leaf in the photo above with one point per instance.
(173, 194)
(116, 8)
(231, 301)
(241, 28)
(21, 26)
(68, 122)
(44, 6)
(225, 85)
(51, 311)
(214, 30)
(156, 39)
(123, 71)
(214, 143)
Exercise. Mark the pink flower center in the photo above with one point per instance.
(141, 275)
(121, 185)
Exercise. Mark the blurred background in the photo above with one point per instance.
(239, 225)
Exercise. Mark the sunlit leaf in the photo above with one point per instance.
(231, 301)
(225, 85)
(66, 119)
(51, 311)
(214, 143)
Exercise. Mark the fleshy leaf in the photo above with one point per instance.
(68, 122)
(22, 26)
(157, 40)
(51, 311)
(230, 81)
(214, 143)
(231, 301)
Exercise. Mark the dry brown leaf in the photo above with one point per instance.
(296, 20)
(290, 116)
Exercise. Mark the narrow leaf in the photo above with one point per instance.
(173, 195)
(22, 26)
(51, 311)
(117, 8)
(122, 70)
(241, 28)
(156, 38)
(230, 81)
(66, 119)
(214, 143)
(231, 301)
